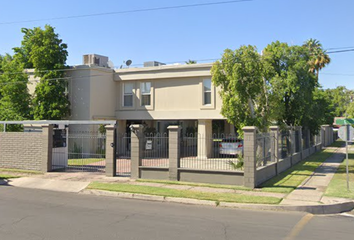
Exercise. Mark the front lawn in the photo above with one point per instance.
(338, 185)
(166, 192)
(6, 176)
(84, 161)
(288, 180)
(209, 185)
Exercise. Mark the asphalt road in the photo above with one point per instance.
(37, 214)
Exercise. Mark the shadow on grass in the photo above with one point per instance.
(294, 176)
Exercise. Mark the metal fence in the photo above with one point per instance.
(297, 140)
(284, 144)
(305, 139)
(264, 148)
(216, 152)
(155, 150)
(123, 155)
(317, 139)
(86, 151)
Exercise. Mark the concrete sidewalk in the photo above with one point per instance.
(308, 197)
(311, 191)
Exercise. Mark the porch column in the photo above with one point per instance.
(121, 132)
(204, 138)
(174, 152)
(136, 149)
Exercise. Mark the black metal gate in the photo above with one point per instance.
(79, 148)
(123, 155)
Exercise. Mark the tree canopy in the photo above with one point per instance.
(14, 96)
(239, 75)
(278, 86)
(43, 50)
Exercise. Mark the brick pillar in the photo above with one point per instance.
(325, 138)
(323, 134)
(111, 165)
(249, 156)
(174, 152)
(275, 131)
(292, 141)
(47, 147)
(136, 149)
(300, 139)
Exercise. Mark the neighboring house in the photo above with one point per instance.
(157, 96)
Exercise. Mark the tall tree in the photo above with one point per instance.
(14, 96)
(275, 87)
(292, 85)
(239, 76)
(191, 62)
(341, 98)
(318, 56)
(43, 50)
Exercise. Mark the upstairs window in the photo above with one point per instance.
(128, 95)
(145, 89)
(206, 91)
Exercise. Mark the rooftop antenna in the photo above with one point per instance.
(128, 62)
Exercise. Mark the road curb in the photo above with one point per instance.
(314, 209)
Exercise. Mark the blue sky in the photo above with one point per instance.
(189, 33)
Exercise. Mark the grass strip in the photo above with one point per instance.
(166, 192)
(338, 185)
(288, 180)
(195, 184)
(84, 161)
(6, 176)
(13, 170)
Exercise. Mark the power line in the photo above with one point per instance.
(52, 79)
(141, 64)
(339, 48)
(339, 74)
(341, 51)
(127, 11)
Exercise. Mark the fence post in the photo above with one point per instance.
(299, 129)
(47, 147)
(292, 141)
(173, 152)
(323, 134)
(249, 156)
(111, 167)
(275, 145)
(136, 149)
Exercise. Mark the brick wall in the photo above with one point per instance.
(21, 150)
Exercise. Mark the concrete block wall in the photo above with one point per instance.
(21, 150)
(250, 177)
(280, 165)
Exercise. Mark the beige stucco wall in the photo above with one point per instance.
(91, 93)
(176, 94)
(32, 81)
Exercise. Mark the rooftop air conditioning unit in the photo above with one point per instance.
(96, 60)
(153, 64)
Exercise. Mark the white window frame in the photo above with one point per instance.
(210, 92)
(145, 94)
(127, 94)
